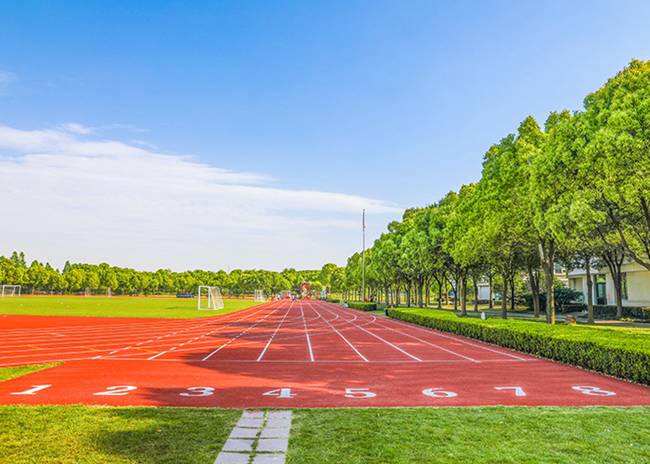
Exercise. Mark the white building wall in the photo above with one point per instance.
(638, 284)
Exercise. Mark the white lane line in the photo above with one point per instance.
(343, 337)
(204, 335)
(388, 343)
(259, 358)
(311, 352)
(428, 343)
(457, 339)
(242, 333)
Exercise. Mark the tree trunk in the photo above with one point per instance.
(590, 291)
(445, 287)
(397, 296)
(614, 260)
(474, 280)
(463, 301)
(534, 289)
(504, 303)
(440, 294)
(427, 287)
(456, 290)
(491, 302)
(512, 293)
(547, 254)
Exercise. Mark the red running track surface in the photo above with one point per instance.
(283, 354)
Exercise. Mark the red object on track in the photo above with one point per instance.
(283, 354)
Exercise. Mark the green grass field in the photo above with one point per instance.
(7, 373)
(101, 306)
(82, 434)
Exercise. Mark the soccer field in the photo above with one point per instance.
(115, 306)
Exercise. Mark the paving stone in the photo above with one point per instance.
(254, 423)
(243, 432)
(280, 432)
(253, 414)
(269, 459)
(232, 458)
(279, 414)
(278, 423)
(238, 444)
(272, 444)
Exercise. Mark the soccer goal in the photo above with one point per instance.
(10, 290)
(209, 298)
(259, 295)
(285, 294)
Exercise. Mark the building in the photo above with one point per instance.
(636, 285)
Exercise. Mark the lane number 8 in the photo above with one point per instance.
(593, 391)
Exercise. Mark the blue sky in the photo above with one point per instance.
(371, 104)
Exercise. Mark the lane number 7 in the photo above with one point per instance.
(518, 390)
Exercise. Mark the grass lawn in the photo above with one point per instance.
(471, 435)
(82, 434)
(115, 306)
(7, 373)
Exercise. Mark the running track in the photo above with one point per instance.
(283, 354)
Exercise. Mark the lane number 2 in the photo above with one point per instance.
(118, 390)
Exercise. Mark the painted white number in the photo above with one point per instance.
(593, 391)
(438, 393)
(280, 393)
(518, 390)
(198, 391)
(119, 390)
(33, 390)
(359, 393)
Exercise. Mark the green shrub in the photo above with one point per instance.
(361, 305)
(632, 312)
(609, 311)
(565, 299)
(623, 353)
(333, 300)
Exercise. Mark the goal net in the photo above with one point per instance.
(209, 298)
(10, 290)
(285, 294)
(259, 295)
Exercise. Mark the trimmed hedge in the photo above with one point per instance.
(609, 311)
(362, 306)
(333, 300)
(623, 353)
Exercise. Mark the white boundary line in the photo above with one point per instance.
(311, 352)
(259, 358)
(343, 337)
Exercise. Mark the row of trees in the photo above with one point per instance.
(75, 278)
(575, 191)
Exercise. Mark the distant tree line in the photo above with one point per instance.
(574, 192)
(102, 278)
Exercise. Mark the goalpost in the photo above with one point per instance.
(10, 290)
(259, 296)
(285, 294)
(211, 300)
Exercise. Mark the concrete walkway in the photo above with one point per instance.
(259, 437)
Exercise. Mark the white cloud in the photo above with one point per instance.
(105, 200)
(6, 80)
(76, 128)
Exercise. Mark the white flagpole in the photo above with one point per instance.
(363, 256)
